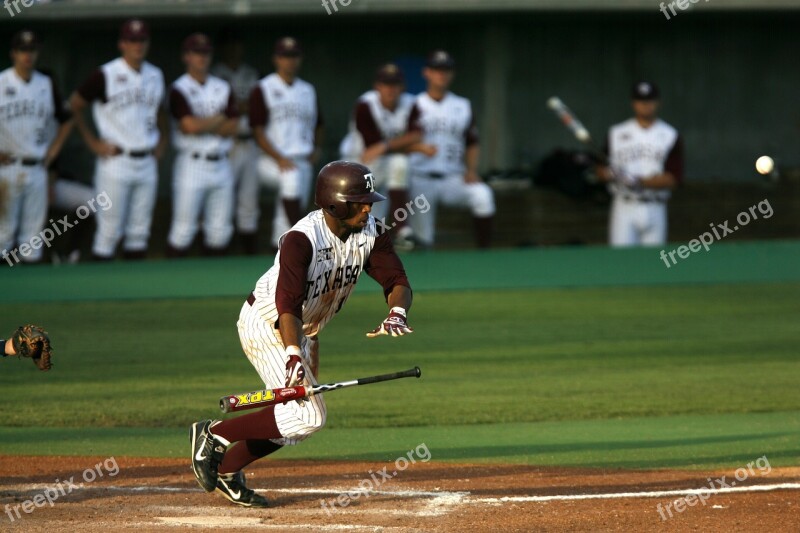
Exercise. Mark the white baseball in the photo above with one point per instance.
(765, 164)
(582, 134)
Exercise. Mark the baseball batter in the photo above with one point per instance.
(318, 264)
(205, 119)
(378, 136)
(127, 96)
(29, 105)
(244, 154)
(451, 175)
(645, 165)
(287, 126)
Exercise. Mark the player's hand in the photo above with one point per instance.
(471, 177)
(285, 164)
(394, 325)
(373, 152)
(627, 179)
(104, 149)
(5, 158)
(604, 173)
(295, 371)
(427, 149)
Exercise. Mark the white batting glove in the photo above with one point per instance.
(295, 371)
(394, 325)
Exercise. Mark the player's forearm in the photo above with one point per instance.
(400, 297)
(660, 181)
(228, 128)
(404, 143)
(61, 136)
(472, 158)
(266, 145)
(291, 329)
(78, 105)
(191, 125)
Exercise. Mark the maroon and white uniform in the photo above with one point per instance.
(639, 215)
(125, 106)
(372, 123)
(448, 124)
(202, 179)
(27, 113)
(244, 153)
(289, 116)
(313, 275)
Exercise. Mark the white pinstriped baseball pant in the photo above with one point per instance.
(263, 346)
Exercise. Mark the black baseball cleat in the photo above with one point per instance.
(232, 487)
(207, 454)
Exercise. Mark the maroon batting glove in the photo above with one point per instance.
(394, 325)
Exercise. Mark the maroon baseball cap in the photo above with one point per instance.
(288, 46)
(440, 59)
(198, 43)
(645, 90)
(134, 30)
(390, 74)
(25, 40)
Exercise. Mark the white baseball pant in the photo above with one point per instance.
(451, 191)
(636, 223)
(70, 195)
(263, 346)
(24, 212)
(130, 184)
(201, 188)
(294, 184)
(245, 177)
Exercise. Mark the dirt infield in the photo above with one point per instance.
(111, 494)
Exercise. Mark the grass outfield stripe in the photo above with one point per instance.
(734, 262)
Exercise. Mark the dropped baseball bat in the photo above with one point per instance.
(574, 125)
(265, 397)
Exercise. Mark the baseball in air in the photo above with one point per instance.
(765, 164)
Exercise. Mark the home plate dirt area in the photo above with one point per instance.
(149, 494)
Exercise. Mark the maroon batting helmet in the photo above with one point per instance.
(344, 181)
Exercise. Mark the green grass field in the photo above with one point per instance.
(638, 377)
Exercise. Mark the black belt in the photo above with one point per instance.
(631, 198)
(251, 299)
(134, 154)
(435, 175)
(244, 136)
(209, 157)
(25, 161)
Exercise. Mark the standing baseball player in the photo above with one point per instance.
(29, 105)
(318, 264)
(205, 119)
(645, 165)
(244, 154)
(287, 127)
(127, 96)
(451, 175)
(378, 137)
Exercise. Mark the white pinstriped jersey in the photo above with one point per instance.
(26, 114)
(242, 80)
(292, 115)
(445, 124)
(128, 116)
(204, 100)
(640, 152)
(331, 277)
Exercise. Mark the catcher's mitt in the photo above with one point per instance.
(32, 341)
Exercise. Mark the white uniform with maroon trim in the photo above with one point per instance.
(244, 153)
(639, 217)
(27, 111)
(390, 170)
(445, 124)
(291, 127)
(202, 179)
(127, 116)
(332, 276)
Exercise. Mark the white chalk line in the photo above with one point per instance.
(647, 494)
